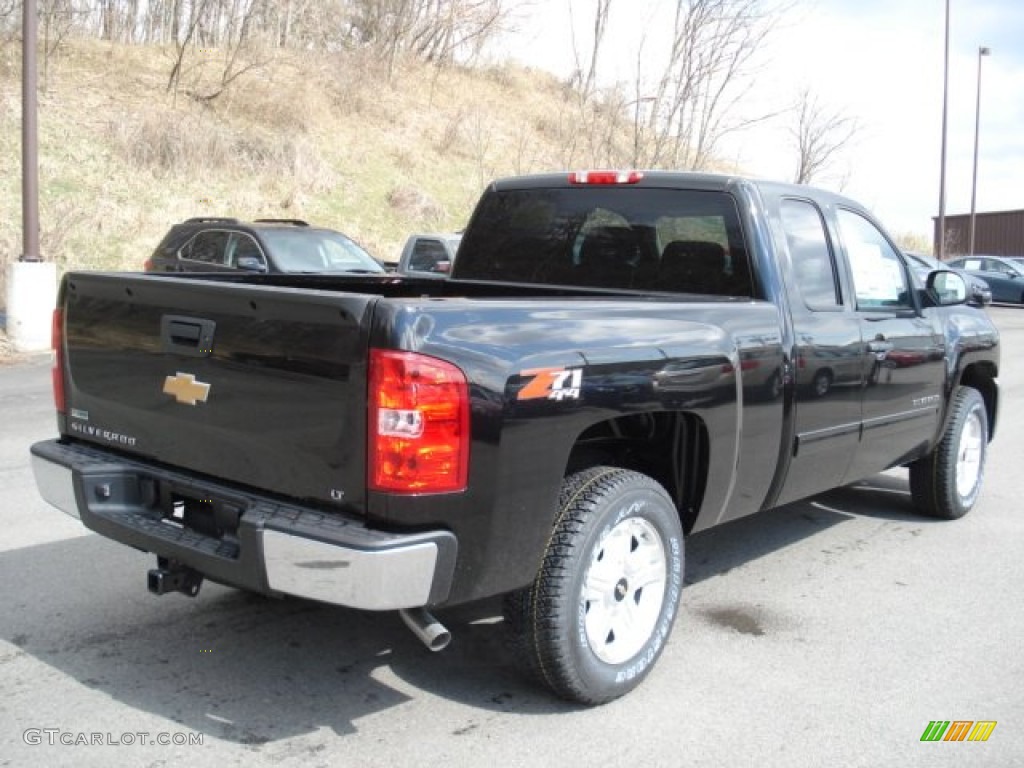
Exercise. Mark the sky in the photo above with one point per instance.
(877, 61)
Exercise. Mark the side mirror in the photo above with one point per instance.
(251, 264)
(946, 288)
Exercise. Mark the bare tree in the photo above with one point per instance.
(441, 31)
(57, 19)
(239, 56)
(586, 80)
(438, 31)
(226, 25)
(10, 23)
(183, 45)
(818, 135)
(321, 25)
(704, 78)
(587, 125)
(9, 14)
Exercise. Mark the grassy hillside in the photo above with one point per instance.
(328, 138)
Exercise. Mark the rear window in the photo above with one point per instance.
(683, 241)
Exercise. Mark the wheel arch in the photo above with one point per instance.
(672, 447)
(982, 377)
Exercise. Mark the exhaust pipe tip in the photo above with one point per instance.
(431, 632)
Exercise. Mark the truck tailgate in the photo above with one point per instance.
(264, 386)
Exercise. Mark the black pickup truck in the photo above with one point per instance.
(618, 359)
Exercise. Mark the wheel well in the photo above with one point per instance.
(982, 376)
(670, 447)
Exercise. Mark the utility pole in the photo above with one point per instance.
(31, 282)
(29, 134)
(983, 51)
(942, 163)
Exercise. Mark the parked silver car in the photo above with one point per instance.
(429, 255)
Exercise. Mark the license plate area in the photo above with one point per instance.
(198, 511)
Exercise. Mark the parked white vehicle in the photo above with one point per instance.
(429, 255)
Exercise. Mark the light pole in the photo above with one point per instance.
(636, 124)
(31, 282)
(983, 51)
(942, 163)
(29, 135)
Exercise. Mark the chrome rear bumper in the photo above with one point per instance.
(277, 548)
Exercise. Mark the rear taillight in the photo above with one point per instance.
(57, 341)
(605, 177)
(418, 424)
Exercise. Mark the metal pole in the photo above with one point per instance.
(977, 124)
(29, 135)
(942, 163)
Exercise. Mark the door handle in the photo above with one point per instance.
(191, 336)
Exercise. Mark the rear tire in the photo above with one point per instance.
(599, 612)
(946, 482)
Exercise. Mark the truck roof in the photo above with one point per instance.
(717, 182)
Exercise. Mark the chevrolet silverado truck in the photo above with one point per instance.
(619, 359)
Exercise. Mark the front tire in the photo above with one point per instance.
(946, 482)
(822, 382)
(599, 612)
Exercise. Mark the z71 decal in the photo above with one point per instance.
(551, 384)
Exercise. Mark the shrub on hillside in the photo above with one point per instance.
(190, 144)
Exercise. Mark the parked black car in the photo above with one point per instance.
(215, 244)
(1004, 276)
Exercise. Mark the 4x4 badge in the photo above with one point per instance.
(185, 388)
(551, 383)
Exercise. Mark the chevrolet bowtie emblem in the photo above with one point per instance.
(185, 388)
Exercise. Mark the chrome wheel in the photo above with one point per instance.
(624, 589)
(822, 383)
(969, 455)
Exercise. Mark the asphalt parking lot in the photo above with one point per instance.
(828, 632)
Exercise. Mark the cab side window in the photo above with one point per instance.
(427, 256)
(879, 280)
(243, 246)
(991, 265)
(207, 247)
(809, 251)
